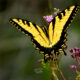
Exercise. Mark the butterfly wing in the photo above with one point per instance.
(58, 27)
(37, 34)
(56, 31)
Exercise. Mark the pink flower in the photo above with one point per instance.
(73, 67)
(72, 55)
(78, 58)
(48, 18)
(75, 52)
(76, 48)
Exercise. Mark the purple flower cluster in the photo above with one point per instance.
(48, 18)
(75, 54)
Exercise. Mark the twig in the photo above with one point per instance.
(49, 6)
(59, 70)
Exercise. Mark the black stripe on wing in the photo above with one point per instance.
(19, 27)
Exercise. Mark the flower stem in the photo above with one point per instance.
(59, 70)
(49, 6)
(54, 76)
(61, 74)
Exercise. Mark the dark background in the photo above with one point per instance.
(18, 57)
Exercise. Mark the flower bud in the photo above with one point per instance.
(76, 48)
(71, 50)
(73, 67)
(72, 55)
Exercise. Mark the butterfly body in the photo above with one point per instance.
(53, 38)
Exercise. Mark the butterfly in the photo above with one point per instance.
(52, 38)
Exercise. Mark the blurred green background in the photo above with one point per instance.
(18, 57)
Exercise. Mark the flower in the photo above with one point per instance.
(75, 52)
(71, 50)
(56, 11)
(40, 60)
(76, 48)
(78, 58)
(48, 18)
(72, 55)
(73, 67)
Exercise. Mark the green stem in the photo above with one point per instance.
(59, 70)
(49, 6)
(54, 76)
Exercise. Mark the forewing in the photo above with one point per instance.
(57, 28)
(31, 29)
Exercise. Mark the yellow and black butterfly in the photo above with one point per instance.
(54, 37)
